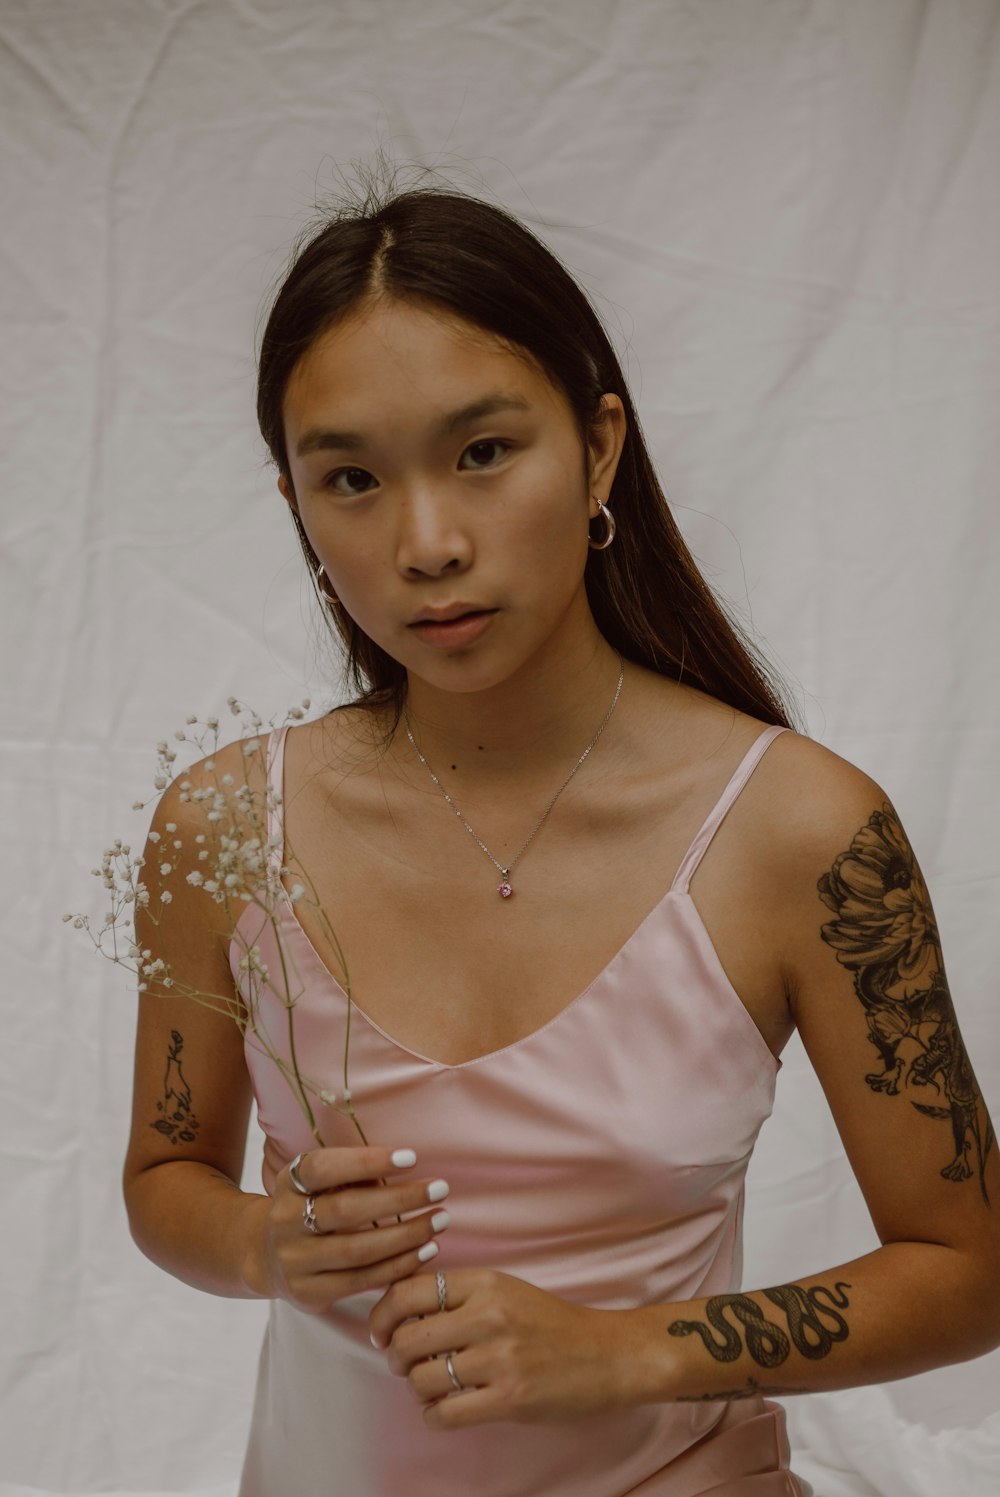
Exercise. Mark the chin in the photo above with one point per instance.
(454, 675)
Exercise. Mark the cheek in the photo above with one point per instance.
(352, 555)
(358, 573)
(360, 579)
(547, 527)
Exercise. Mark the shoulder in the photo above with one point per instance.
(342, 744)
(802, 798)
(193, 790)
(838, 870)
(801, 819)
(209, 821)
(813, 804)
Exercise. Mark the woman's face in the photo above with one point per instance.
(442, 484)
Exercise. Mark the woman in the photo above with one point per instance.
(587, 880)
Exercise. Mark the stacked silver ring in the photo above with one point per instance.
(309, 1213)
(293, 1174)
(451, 1371)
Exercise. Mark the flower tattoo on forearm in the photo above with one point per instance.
(885, 933)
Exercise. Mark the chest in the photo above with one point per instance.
(449, 969)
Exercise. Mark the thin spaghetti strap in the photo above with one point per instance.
(716, 816)
(275, 750)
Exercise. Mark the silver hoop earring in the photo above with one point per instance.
(321, 579)
(604, 514)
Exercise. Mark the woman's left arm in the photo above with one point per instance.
(861, 963)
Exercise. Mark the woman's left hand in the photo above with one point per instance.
(519, 1352)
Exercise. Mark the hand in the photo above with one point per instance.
(353, 1192)
(521, 1353)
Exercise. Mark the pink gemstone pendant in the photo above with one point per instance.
(503, 888)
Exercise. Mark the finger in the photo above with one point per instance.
(477, 1401)
(330, 1169)
(324, 1289)
(430, 1379)
(424, 1339)
(359, 1248)
(357, 1208)
(463, 1410)
(418, 1296)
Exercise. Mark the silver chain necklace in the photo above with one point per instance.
(504, 887)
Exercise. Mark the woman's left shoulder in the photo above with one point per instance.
(816, 805)
(811, 785)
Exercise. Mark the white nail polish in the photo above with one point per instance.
(439, 1221)
(377, 1344)
(437, 1190)
(428, 1251)
(404, 1158)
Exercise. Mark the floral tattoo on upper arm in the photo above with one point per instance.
(885, 933)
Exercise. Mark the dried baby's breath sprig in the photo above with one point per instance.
(235, 865)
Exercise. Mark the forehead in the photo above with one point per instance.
(394, 355)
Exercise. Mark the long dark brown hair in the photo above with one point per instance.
(440, 248)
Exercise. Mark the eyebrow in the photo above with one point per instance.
(316, 438)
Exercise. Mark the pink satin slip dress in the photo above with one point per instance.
(601, 1158)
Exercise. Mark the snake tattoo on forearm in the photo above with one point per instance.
(814, 1324)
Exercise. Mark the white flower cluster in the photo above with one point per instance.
(250, 962)
(233, 861)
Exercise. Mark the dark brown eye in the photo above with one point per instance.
(349, 473)
(483, 452)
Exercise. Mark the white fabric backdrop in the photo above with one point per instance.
(788, 212)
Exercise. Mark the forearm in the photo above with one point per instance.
(192, 1221)
(900, 1310)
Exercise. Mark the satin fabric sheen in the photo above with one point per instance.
(601, 1157)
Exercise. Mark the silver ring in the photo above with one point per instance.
(442, 1291)
(451, 1371)
(293, 1173)
(309, 1214)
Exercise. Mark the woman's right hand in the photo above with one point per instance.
(347, 1253)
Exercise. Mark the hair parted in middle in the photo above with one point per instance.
(437, 248)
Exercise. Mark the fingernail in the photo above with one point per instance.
(428, 1251)
(403, 1158)
(439, 1221)
(437, 1190)
(375, 1341)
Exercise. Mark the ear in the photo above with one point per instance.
(604, 449)
(287, 492)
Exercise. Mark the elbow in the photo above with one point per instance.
(977, 1304)
(139, 1209)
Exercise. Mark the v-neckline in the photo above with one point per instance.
(290, 916)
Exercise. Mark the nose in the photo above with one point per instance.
(432, 537)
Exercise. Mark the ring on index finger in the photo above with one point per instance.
(293, 1174)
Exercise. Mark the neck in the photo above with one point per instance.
(530, 723)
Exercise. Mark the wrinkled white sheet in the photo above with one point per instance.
(789, 213)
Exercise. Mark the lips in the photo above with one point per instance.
(449, 614)
(449, 628)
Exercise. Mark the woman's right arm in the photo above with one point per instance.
(190, 1110)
